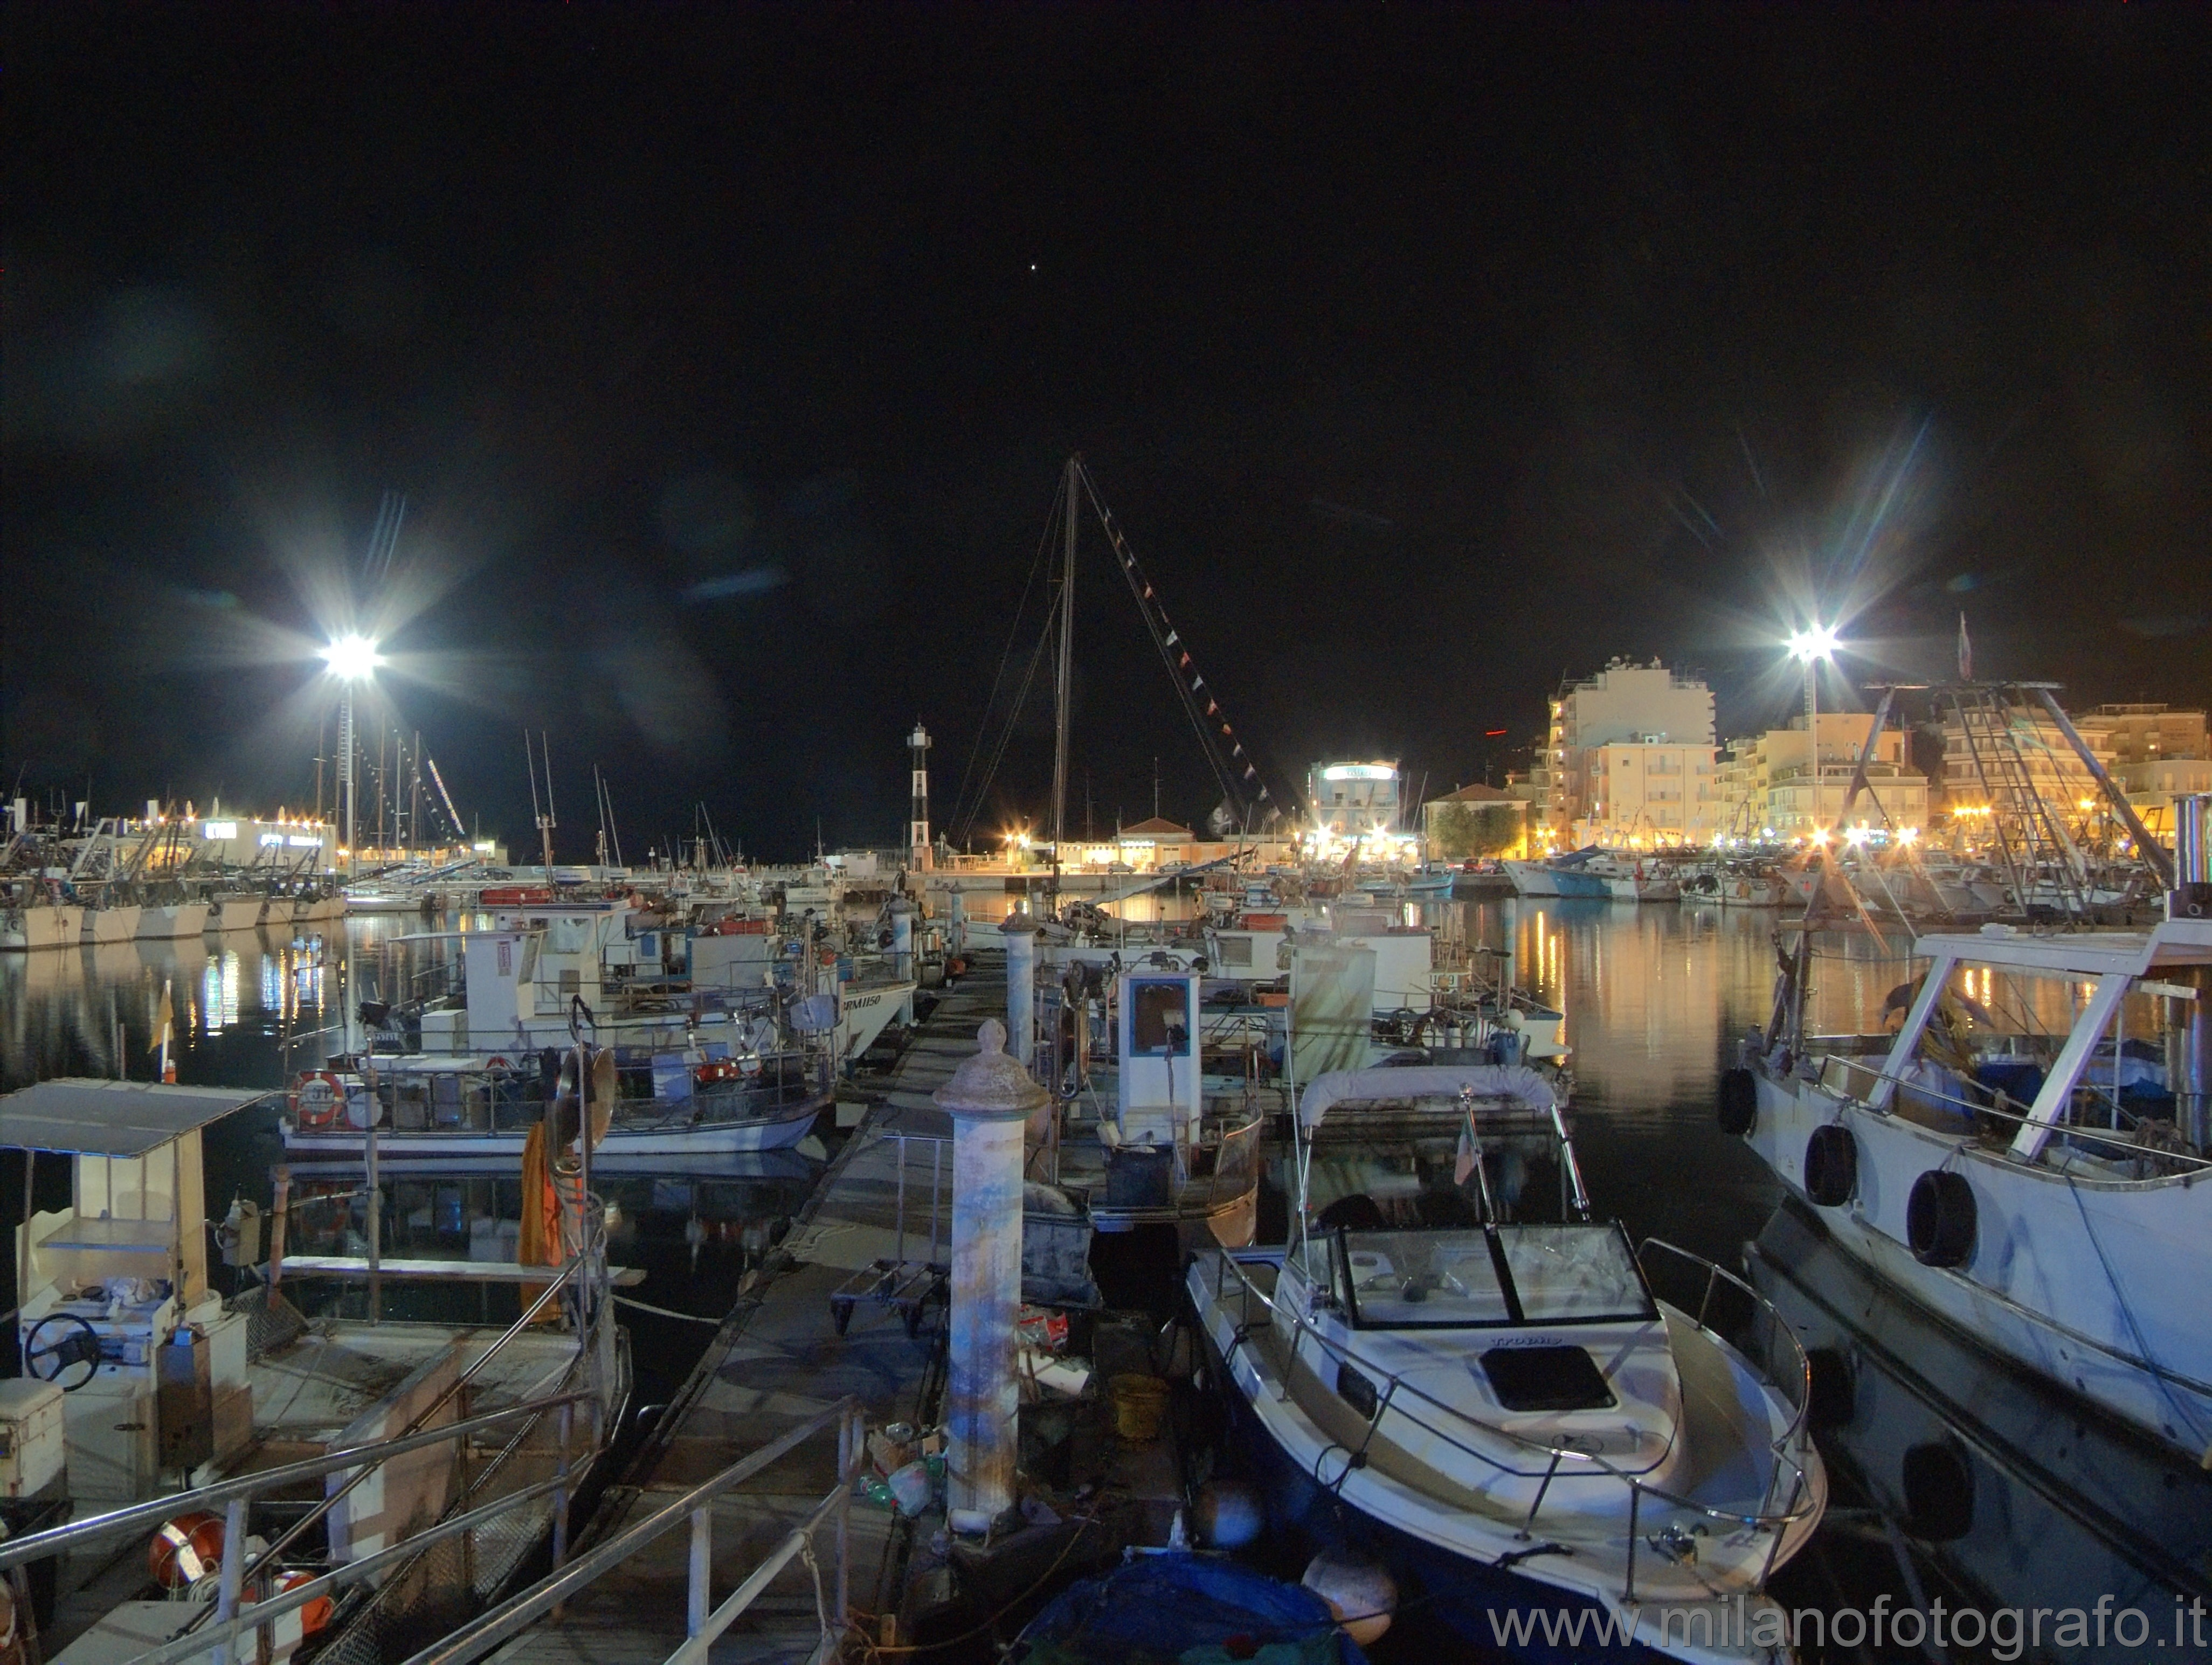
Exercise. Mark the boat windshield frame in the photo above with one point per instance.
(1490, 1253)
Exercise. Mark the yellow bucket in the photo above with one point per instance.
(1139, 1402)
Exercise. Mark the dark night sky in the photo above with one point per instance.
(1424, 355)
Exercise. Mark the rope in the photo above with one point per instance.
(2120, 1299)
(1084, 1523)
(667, 1313)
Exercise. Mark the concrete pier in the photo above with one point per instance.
(1020, 931)
(777, 1360)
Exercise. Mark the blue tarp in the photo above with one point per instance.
(1195, 1609)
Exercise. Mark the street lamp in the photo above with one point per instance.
(1810, 647)
(352, 659)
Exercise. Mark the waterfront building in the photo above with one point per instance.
(1473, 821)
(1622, 704)
(1350, 799)
(1649, 793)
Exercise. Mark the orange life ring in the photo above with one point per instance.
(315, 1615)
(185, 1550)
(497, 1062)
(317, 1099)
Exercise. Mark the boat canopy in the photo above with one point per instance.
(1525, 1087)
(2086, 953)
(81, 1116)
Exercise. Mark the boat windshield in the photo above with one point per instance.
(1570, 1274)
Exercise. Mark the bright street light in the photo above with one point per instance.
(1818, 643)
(352, 658)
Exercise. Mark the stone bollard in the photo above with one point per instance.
(903, 951)
(1020, 931)
(988, 1098)
(958, 916)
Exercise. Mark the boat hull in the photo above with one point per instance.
(105, 927)
(2072, 1277)
(168, 921)
(1500, 1612)
(49, 926)
(709, 1140)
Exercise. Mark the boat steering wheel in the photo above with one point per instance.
(80, 1346)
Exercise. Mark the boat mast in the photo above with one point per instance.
(1064, 678)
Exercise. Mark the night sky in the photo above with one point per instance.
(726, 359)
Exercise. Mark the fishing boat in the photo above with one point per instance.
(228, 1434)
(169, 922)
(1569, 877)
(1453, 1365)
(36, 917)
(2010, 1494)
(2024, 1156)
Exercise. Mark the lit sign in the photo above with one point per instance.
(1359, 772)
(299, 843)
(483, 848)
(272, 837)
(220, 830)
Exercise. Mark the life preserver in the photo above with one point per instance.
(315, 1615)
(1831, 1165)
(185, 1550)
(496, 1063)
(715, 1071)
(317, 1098)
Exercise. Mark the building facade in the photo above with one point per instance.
(1474, 821)
(1660, 712)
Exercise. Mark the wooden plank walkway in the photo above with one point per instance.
(778, 1359)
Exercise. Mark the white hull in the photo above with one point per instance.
(723, 1139)
(1531, 878)
(2073, 1276)
(1582, 1518)
(236, 913)
(47, 926)
(104, 927)
(863, 1015)
(167, 922)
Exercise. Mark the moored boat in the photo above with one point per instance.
(1453, 1362)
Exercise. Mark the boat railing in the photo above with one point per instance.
(1853, 1081)
(1393, 1392)
(705, 1622)
(226, 1625)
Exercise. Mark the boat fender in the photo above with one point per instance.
(1739, 1101)
(1939, 1492)
(1228, 1513)
(314, 1614)
(317, 1096)
(1939, 1220)
(1831, 1165)
(1360, 1593)
(1835, 1390)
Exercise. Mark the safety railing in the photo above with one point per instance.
(2001, 1108)
(1548, 1462)
(705, 1622)
(220, 1625)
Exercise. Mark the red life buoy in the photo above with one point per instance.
(496, 1063)
(318, 1097)
(185, 1550)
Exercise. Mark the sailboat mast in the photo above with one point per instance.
(1063, 682)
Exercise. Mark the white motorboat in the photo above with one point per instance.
(1452, 1362)
(2025, 1156)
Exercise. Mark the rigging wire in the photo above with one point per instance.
(961, 825)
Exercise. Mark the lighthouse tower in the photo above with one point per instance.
(917, 746)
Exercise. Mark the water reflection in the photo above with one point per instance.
(1957, 1477)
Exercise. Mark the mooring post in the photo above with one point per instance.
(989, 1098)
(1020, 931)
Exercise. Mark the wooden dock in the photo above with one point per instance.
(777, 1360)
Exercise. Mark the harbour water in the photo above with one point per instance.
(1654, 999)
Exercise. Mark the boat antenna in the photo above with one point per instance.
(1064, 678)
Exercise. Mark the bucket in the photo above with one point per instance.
(1139, 1402)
